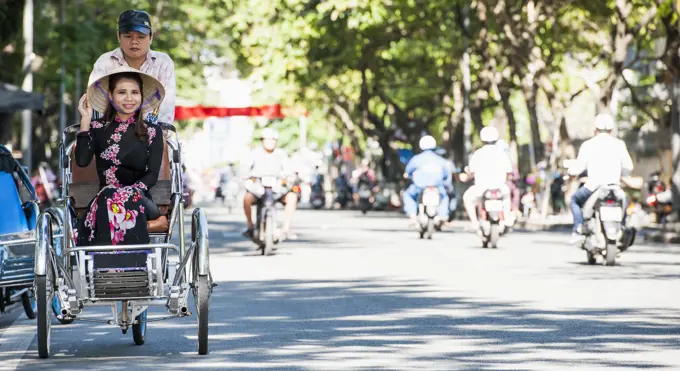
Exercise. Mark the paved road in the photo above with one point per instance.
(363, 293)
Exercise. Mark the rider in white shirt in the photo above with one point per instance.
(268, 160)
(490, 167)
(606, 160)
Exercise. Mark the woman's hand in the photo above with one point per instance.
(85, 113)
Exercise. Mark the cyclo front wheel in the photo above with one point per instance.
(44, 298)
(139, 329)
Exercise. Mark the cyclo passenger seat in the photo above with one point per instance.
(85, 185)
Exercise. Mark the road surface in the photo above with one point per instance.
(364, 293)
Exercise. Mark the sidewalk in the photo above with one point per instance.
(668, 234)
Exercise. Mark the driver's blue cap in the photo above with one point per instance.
(134, 21)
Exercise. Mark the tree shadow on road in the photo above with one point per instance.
(389, 325)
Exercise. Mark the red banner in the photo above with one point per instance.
(200, 112)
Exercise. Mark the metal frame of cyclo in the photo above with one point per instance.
(73, 283)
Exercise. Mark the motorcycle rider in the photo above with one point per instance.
(267, 160)
(427, 169)
(605, 159)
(363, 175)
(491, 168)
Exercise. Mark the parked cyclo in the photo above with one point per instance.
(17, 234)
(127, 278)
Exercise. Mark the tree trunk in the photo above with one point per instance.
(530, 96)
(390, 164)
(512, 125)
(477, 122)
(348, 125)
(458, 143)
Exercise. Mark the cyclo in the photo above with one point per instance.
(128, 278)
(17, 234)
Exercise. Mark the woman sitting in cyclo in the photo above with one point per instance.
(128, 152)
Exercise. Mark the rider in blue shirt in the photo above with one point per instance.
(427, 169)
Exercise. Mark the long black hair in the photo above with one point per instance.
(111, 112)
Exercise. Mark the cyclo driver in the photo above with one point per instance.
(267, 161)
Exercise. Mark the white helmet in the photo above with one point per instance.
(427, 142)
(269, 133)
(488, 134)
(604, 122)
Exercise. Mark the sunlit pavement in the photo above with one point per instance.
(364, 293)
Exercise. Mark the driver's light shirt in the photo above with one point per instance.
(491, 167)
(262, 163)
(157, 64)
(605, 158)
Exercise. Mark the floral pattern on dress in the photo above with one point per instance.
(115, 137)
(110, 175)
(120, 218)
(96, 125)
(123, 126)
(111, 154)
(90, 218)
(141, 186)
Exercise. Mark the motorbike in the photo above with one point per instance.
(365, 195)
(491, 217)
(382, 199)
(228, 191)
(427, 211)
(604, 233)
(659, 199)
(528, 202)
(46, 187)
(453, 205)
(265, 225)
(297, 186)
(344, 193)
(318, 195)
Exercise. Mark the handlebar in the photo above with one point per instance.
(167, 126)
(72, 129)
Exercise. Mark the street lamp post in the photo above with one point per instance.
(62, 84)
(27, 85)
(465, 68)
(675, 137)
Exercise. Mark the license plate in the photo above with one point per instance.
(268, 181)
(611, 214)
(493, 205)
(431, 198)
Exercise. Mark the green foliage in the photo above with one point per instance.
(389, 70)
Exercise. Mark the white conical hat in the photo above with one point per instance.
(152, 91)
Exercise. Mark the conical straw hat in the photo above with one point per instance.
(152, 91)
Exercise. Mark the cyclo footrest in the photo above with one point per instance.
(121, 274)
